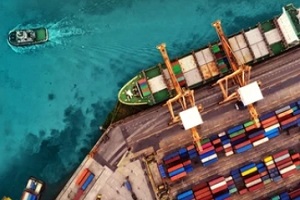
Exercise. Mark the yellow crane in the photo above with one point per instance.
(240, 75)
(184, 96)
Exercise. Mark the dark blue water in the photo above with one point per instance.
(53, 97)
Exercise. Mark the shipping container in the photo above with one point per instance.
(177, 171)
(282, 109)
(235, 128)
(244, 148)
(81, 176)
(261, 141)
(88, 181)
(267, 115)
(79, 194)
(162, 171)
(178, 176)
(175, 167)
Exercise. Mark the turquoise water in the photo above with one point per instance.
(53, 97)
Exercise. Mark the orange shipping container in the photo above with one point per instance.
(285, 113)
(271, 119)
(81, 176)
(175, 167)
(178, 176)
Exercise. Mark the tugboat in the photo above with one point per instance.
(33, 189)
(28, 37)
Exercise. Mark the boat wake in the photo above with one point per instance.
(59, 32)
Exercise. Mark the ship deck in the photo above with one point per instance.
(120, 151)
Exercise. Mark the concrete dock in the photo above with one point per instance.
(120, 151)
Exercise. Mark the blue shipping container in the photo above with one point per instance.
(184, 194)
(162, 171)
(210, 162)
(171, 155)
(209, 153)
(267, 115)
(223, 196)
(88, 181)
(297, 112)
(235, 128)
(182, 151)
(275, 134)
(290, 124)
(177, 171)
(244, 148)
(190, 197)
(256, 133)
(248, 166)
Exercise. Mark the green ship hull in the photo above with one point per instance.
(207, 64)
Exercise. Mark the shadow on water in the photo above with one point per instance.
(59, 32)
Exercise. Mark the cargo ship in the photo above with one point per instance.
(207, 64)
(33, 189)
(28, 37)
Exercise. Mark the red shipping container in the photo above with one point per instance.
(287, 174)
(264, 173)
(249, 128)
(258, 137)
(203, 194)
(219, 149)
(269, 120)
(190, 147)
(243, 191)
(231, 182)
(172, 160)
(271, 166)
(289, 120)
(277, 155)
(238, 137)
(178, 176)
(219, 189)
(216, 141)
(256, 187)
(175, 167)
(252, 178)
(295, 193)
(287, 164)
(283, 161)
(228, 149)
(81, 176)
(199, 186)
(187, 162)
(78, 194)
(207, 150)
(295, 156)
(205, 198)
(203, 190)
(206, 145)
(242, 144)
(215, 181)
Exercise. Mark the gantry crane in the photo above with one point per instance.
(181, 95)
(241, 73)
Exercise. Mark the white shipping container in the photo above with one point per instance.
(255, 51)
(272, 36)
(229, 153)
(261, 141)
(282, 109)
(247, 54)
(29, 184)
(241, 41)
(253, 36)
(38, 188)
(209, 158)
(227, 145)
(157, 84)
(207, 55)
(192, 77)
(272, 127)
(256, 181)
(282, 157)
(187, 63)
(200, 58)
(229, 178)
(263, 48)
(233, 44)
(239, 56)
(220, 184)
(287, 169)
(270, 163)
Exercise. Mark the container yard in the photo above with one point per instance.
(231, 155)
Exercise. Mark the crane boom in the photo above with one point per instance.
(239, 72)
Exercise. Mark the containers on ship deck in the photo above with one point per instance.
(190, 71)
(208, 155)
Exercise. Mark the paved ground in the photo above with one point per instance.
(148, 131)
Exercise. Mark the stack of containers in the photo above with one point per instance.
(231, 186)
(208, 155)
(216, 141)
(219, 188)
(251, 177)
(257, 137)
(178, 73)
(238, 139)
(202, 192)
(273, 171)
(162, 171)
(288, 116)
(249, 126)
(296, 159)
(295, 195)
(187, 195)
(225, 141)
(176, 172)
(192, 151)
(284, 163)
(188, 166)
(271, 126)
(238, 181)
(262, 170)
(170, 158)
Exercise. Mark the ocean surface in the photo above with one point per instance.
(53, 97)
